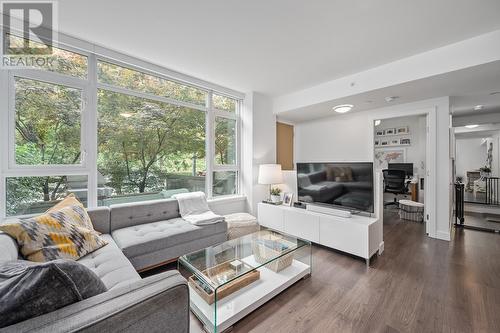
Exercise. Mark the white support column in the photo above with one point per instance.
(209, 146)
(90, 127)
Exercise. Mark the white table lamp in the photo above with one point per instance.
(270, 174)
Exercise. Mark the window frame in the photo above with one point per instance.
(216, 113)
(57, 79)
(89, 116)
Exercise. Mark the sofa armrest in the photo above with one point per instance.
(158, 303)
(100, 219)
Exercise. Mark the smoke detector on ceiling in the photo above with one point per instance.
(389, 99)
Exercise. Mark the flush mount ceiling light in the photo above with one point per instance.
(471, 126)
(478, 107)
(389, 99)
(377, 122)
(343, 108)
(126, 115)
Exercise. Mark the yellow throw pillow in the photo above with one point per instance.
(60, 234)
(71, 200)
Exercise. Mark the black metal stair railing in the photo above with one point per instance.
(459, 203)
(492, 190)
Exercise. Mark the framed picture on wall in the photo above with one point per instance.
(390, 131)
(394, 142)
(377, 142)
(386, 155)
(384, 143)
(405, 141)
(403, 130)
(379, 132)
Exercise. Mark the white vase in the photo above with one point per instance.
(275, 198)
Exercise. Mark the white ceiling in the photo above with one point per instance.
(490, 100)
(278, 46)
(482, 131)
(466, 87)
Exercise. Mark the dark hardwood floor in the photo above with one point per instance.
(418, 285)
(483, 220)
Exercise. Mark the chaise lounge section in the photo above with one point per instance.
(153, 233)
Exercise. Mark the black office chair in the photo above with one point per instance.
(395, 183)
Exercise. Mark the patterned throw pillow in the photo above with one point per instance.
(71, 200)
(61, 234)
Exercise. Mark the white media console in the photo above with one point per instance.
(359, 235)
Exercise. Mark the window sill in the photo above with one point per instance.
(214, 201)
(227, 199)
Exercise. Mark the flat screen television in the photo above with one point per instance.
(344, 185)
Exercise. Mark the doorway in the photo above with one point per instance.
(401, 155)
(476, 173)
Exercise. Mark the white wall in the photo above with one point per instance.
(415, 153)
(289, 183)
(470, 155)
(349, 137)
(496, 156)
(258, 145)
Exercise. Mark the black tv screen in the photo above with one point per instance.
(345, 185)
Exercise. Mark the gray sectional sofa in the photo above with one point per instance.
(140, 236)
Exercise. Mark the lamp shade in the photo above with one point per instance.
(270, 174)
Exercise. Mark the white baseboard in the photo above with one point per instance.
(443, 235)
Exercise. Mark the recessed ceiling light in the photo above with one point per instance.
(479, 107)
(389, 99)
(343, 108)
(126, 115)
(471, 126)
(378, 122)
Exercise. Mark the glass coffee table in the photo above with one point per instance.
(229, 280)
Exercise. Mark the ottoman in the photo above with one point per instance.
(411, 210)
(240, 224)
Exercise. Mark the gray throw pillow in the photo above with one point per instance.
(29, 289)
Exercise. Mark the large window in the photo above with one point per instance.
(112, 133)
(62, 61)
(131, 79)
(48, 123)
(149, 148)
(225, 141)
(31, 195)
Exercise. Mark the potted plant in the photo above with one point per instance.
(275, 194)
(485, 171)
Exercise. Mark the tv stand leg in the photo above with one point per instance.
(367, 263)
